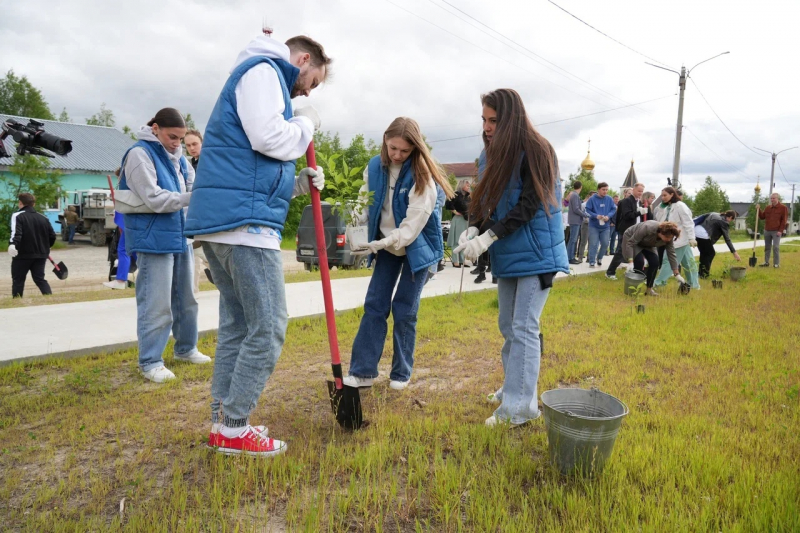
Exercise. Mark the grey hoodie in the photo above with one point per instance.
(140, 174)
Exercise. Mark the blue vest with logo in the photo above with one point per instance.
(428, 248)
(536, 247)
(235, 185)
(156, 233)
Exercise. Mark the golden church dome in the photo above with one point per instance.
(587, 164)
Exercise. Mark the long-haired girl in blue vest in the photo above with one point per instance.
(156, 171)
(406, 238)
(516, 207)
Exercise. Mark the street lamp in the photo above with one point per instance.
(774, 158)
(676, 164)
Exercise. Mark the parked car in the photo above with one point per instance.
(338, 248)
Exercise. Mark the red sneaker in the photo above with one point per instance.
(215, 435)
(249, 442)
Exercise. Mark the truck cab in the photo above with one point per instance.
(95, 215)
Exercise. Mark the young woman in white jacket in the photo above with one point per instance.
(671, 209)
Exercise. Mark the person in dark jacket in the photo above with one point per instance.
(458, 204)
(575, 217)
(630, 211)
(194, 144)
(641, 242)
(518, 200)
(708, 232)
(32, 236)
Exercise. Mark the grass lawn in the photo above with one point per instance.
(712, 381)
(7, 302)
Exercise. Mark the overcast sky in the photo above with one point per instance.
(138, 57)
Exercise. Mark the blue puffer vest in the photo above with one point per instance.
(235, 185)
(428, 248)
(156, 233)
(535, 248)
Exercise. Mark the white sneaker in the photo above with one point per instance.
(353, 381)
(494, 397)
(116, 284)
(159, 374)
(398, 385)
(196, 358)
(493, 421)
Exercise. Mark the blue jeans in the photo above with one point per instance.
(598, 242)
(612, 242)
(164, 302)
(521, 301)
(71, 233)
(574, 235)
(368, 344)
(252, 327)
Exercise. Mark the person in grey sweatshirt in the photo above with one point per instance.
(575, 217)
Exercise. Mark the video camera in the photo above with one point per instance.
(32, 139)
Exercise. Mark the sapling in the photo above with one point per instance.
(343, 191)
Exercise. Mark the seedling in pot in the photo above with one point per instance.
(638, 292)
(343, 191)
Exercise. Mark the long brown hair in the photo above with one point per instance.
(671, 190)
(422, 163)
(513, 136)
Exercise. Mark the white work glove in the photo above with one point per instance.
(630, 267)
(680, 278)
(642, 210)
(310, 113)
(301, 185)
(467, 235)
(693, 243)
(475, 247)
(375, 246)
(12, 250)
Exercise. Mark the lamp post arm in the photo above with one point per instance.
(706, 60)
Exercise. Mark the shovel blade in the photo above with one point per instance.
(346, 405)
(61, 271)
(752, 261)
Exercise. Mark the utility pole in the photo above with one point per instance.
(676, 164)
(684, 73)
(791, 216)
(774, 158)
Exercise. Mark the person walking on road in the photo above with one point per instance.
(71, 219)
(601, 210)
(245, 181)
(576, 216)
(32, 236)
(639, 244)
(671, 209)
(630, 211)
(405, 239)
(708, 232)
(775, 216)
(518, 202)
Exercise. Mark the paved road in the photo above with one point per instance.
(88, 267)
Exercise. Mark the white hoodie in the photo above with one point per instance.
(259, 103)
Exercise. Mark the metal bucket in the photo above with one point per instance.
(738, 273)
(633, 279)
(582, 426)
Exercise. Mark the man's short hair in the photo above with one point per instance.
(195, 133)
(319, 58)
(576, 185)
(638, 185)
(601, 185)
(27, 199)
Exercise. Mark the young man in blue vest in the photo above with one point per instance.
(239, 205)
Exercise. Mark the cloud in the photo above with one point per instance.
(140, 56)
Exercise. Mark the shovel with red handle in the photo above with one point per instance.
(345, 400)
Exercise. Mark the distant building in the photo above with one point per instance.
(96, 152)
(630, 181)
(462, 170)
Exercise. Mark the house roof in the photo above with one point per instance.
(741, 208)
(94, 148)
(461, 170)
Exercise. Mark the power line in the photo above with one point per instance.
(606, 35)
(720, 118)
(562, 119)
(716, 154)
(518, 45)
(492, 53)
(782, 174)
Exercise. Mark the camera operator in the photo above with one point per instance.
(32, 236)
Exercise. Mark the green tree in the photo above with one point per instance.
(796, 217)
(19, 97)
(711, 198)
(129, 132)
(587, 181)
(762, 202)
(190, 125)
(64, 116)
(104, 117)
(688, 199)
(27, 174)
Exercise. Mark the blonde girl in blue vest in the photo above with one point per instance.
(405, 239)
(159, 176)
(516, 207)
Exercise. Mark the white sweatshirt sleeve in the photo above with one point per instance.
(140, 174)
(259, 104)
(687, 223)
(420, 207)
